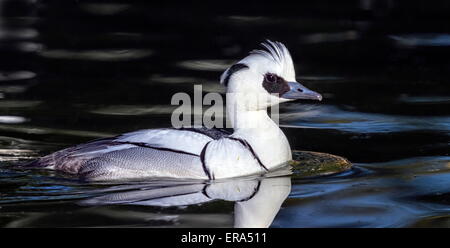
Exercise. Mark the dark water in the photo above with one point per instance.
(72, 71)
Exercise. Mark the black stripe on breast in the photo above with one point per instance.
(202, 158)
(152, 147)
(250, 148)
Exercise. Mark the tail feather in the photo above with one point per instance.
(71, 159)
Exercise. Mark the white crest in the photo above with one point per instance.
(278, 52)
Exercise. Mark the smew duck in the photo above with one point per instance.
(264, 78)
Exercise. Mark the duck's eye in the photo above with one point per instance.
(271, 78)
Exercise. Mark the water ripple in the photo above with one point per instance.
(332, 117)
(98, 55)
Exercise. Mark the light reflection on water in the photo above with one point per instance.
(411, 40)
(100, 55)
(205, 65)
(331, 117)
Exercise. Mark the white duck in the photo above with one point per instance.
(257, 144)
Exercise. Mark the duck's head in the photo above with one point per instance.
(269, 73)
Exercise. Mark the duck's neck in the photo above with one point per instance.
(250, 120)
(244, 115)
(263, 134)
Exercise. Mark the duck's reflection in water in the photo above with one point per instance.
(257, 199)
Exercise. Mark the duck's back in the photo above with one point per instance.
(145, 153)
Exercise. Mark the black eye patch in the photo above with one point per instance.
(275, 84)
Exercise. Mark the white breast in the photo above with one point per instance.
(226, 158)
(272, 147)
